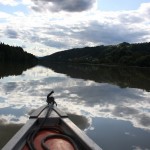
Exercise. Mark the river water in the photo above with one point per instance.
(111, 104)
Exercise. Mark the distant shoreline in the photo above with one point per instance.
(123, 54)
(89, 64)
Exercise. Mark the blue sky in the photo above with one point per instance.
(45, 26)
(118, 5)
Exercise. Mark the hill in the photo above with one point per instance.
(15, 54)
(124, 54)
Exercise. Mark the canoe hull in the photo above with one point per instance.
(56, 119)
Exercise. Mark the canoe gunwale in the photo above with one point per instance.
(56, 118)
(14, 143)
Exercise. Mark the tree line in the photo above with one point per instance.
(125, 54)
(15, 54)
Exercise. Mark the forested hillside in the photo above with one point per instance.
(122, 54)
(9, 54)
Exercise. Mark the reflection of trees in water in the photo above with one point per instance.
(122, 76)
(7, 131)
(81, 121)
(7, 69)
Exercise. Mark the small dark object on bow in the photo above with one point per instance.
(50, 99)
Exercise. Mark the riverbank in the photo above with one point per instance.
(123, 54)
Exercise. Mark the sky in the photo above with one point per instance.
(43, 27)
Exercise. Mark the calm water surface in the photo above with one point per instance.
(111, 104)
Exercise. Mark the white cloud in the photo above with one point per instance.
(4, 15)
(145, 9)
(9, 2)
(65, 30)
(27, 2)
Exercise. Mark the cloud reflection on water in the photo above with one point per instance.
(110, 110)
(118, 135)
(73, 95)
